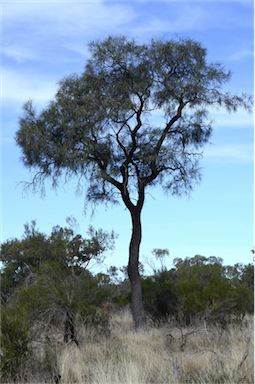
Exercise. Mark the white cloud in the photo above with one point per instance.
(186, 19)
(231, 152)
(79, 48)
(242, 54)
(18, 88)
(249, 2)
(31, 28)
(239, 119)
(220, 118)
(67, 18)
(18, 53)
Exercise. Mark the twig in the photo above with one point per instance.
(245, 355)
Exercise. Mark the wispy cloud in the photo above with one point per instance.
(78, 48)
(51, 24)
(242, 54)
(237, 120)
(250, 2)
(43, 25)
(18, 53)
(64, 20)
(17, 88)
(181, 20)
(231, 152)
(219, 118)
(57, 32)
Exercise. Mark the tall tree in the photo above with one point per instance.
(101, 126)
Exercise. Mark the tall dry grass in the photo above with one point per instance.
(160, 355)
(165, 354)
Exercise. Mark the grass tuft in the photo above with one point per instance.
(160, 355)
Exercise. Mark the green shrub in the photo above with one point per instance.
(160, 296)
(197, 288)
(15, 342)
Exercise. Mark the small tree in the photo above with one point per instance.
(47, 275)
(101, 127)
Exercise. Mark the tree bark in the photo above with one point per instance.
(70, 328)
(133, 269)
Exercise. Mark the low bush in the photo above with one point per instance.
(15, 342)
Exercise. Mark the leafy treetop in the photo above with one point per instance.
(102, 126)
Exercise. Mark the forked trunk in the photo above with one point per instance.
(133, 270)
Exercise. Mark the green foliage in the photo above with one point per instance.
(199, 287)
(45, 281)
(60, 253)
(247, 277)
(160, 294)
(15, 341)
(100, 128)
(21, 257)
(95, 126)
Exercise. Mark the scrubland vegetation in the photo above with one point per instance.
(164, 354)
(167, 353)
(63, 324)
(100, 128)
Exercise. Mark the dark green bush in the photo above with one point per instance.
(198, 288)
(15, 342)
(160, 295)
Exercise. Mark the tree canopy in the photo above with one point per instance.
(100, 125)
(136, 117)
(63, 251)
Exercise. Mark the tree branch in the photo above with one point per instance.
(169, 125)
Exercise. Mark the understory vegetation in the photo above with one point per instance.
(167, 353)
(61, 323)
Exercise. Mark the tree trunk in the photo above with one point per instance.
(133, 270)
(70, 328)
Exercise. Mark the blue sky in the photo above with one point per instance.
(43, 41)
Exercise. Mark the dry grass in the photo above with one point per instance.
(156, 355)
(160, 355)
